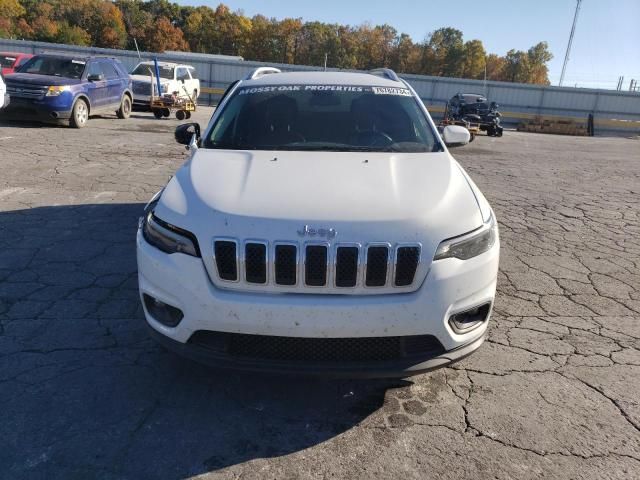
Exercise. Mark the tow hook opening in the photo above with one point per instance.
(54, 114)
(164, 313)
(463, 322)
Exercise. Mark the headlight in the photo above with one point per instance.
(54, 91)
(165, 88)
(471, 244)
(168, 238)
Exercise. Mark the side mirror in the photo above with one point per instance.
(96, 77)
(455, 136)
(184, 133)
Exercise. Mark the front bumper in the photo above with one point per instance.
(43, 111)
(378, 369)
(451, 286)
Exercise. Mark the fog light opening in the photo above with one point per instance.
(54, 114)
(463, 322)
(165, 314)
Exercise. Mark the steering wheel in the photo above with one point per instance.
(373, 138)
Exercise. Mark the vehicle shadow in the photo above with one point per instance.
(87, 394)
(10, 122)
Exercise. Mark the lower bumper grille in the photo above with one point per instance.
(317, 349)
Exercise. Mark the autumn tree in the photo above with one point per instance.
(163, 35)
(473, 58)
(495, 67)
(539, 56)
(10, 12)
(159, 25)
(447, 52)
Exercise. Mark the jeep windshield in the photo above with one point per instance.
(343, 118)
(147, 69)
(66, 67)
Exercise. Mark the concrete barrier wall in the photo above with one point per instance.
(613, 111)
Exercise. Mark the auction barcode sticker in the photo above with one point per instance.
(391, 91)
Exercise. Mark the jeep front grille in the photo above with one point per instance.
(310, 267)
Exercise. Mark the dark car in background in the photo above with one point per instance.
(476, 109)
(10, 61)
(60, 88)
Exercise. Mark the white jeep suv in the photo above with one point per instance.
(174, 78)
(320, 225)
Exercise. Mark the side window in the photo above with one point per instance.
(192, 72)
(94, 69)
(182, 74)
(110, 71)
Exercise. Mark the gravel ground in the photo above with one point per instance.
(553, 393)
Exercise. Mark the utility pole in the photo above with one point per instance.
(573, 29)
(485, 75)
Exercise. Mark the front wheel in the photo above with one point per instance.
(79, 114)
(157, 113)
(125, 108)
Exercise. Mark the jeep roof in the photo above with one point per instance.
(324, 78)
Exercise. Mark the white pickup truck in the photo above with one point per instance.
(320, 225)
(174, 78)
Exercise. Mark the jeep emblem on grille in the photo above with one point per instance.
(319, 232)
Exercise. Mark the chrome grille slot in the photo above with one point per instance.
(377, 266)
(226, 256)
(347, 266)
(407, 260)
(286, 263)
(255, 261)
(315, 265)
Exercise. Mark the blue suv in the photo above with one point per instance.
(65, 88)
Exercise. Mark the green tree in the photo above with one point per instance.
(516, 67)
(72, 35)
(495, 67)
(473, 60)
(448, 52)
(538, 57)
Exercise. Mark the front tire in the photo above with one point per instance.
(125, 108)
(79, 114)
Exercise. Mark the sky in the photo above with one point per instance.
(606, 44)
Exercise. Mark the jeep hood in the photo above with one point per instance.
(364, 196)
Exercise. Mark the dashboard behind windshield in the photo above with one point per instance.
(323, 117)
